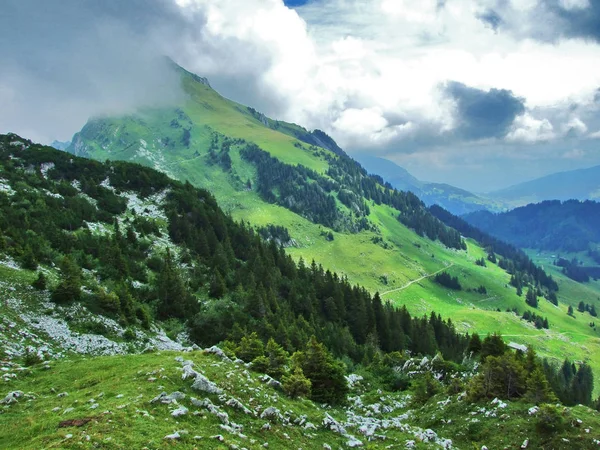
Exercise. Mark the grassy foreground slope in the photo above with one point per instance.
(386, 257)
(114, 402)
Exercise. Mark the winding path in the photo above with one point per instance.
(416, 281)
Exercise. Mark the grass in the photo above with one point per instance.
(404, 258)
(123, 387)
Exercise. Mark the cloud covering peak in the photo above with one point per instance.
(475, 85)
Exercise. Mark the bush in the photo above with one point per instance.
(40, 283)
(425, 387)
(297, 385)
(31, 358)
(129, 334)
(549, 420)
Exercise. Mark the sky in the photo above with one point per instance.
(481, 94)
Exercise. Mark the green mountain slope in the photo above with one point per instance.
(94, 257)
(334, 213)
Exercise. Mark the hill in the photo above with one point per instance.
(325, 207)
(580, 184)
(569, 226)
(457, 201)
(119, 263)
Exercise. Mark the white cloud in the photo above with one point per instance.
(575, 153)
(371, 72)
(574, 4)
(528, 129)
(575, 126)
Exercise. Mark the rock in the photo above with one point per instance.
(12, 397)
(525, 443)
(271, 382)
(203, 384)
(410, 444)
(188, 372)
(309, 426)
(172, 437)
(214, 350)
(266, 427)
(332, 424)
(353, 442)
(483, 447)
(235, 403)
(63, 394)
(352, 379)
(271, 413)
(218, 437)
(181, 411)
(533, 410)
(326, 447)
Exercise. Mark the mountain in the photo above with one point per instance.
(60, 145)
(457, 201)
(113, 275)
(552, 225)
(325, 207)
(580, 184)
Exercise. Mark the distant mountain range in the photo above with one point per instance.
(457, 201)
(582, 184)
(570, 226)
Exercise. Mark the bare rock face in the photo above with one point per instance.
(203, 384)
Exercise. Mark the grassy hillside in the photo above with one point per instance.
(145, 401)
(385, 257)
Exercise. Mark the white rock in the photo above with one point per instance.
(181, 411)
(173, 436)
(525, 443)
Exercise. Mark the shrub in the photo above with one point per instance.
(31, 358)
(296, 385)
(40, 283)
(425, 387)
(549, 420)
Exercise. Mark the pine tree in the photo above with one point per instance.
(217, 285)
(581, 307)
(570, 312)
(40, 282)
(493, 345)
(538, 388)
(174, 300)
(69, 288)
(324, 372)
(531, 298)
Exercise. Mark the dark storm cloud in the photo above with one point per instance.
(491, 18)
(548, 21)
(65, 61)
(577, 22)
(482, 114)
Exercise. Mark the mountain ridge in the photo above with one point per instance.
(580, 184)
(456, 200)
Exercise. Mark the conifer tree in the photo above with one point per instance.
(69, 288)
(538, 388)
(40, 282)
(324, 372)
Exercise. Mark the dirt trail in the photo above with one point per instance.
(416, 281)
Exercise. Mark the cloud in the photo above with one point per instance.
(61, 65)
(429, 83)
(547, 20)
(528, 129)
(484, 114)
